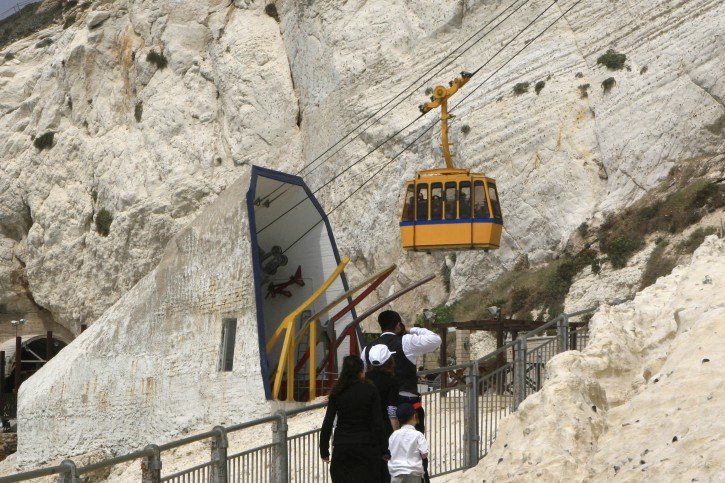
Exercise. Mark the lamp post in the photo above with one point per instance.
(18, 351)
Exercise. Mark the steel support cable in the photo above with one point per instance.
(408, 146)
(458, 104)
(427, 79)
(414, 85)
(399, 131)
(340, 173)
(520, 50)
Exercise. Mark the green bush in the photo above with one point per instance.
(9, 56)
(643, 70)
(608, 83)
(612, 60)
(657, 266)
(583, 229)
(465, 129)
(44, 141)
(596, 266)
(103, 222)
(157, 59)
(442, 313)
(579, 75)
(647, 212)
(620, 249)
(521, 88)
(44, 43)
(138, 111)
(518, 299)
(271, 10)
(446, 276)
(584, 91)
(695, 239)
(539, 86)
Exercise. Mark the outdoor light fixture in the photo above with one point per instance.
(429, 315)
(16, 324)
(493, 310)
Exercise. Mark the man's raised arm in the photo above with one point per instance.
(420, 341)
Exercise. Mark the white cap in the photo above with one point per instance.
(379, 354)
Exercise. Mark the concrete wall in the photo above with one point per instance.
(149, 365)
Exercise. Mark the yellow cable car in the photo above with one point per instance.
(450, 208)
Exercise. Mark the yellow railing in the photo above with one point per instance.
(287, 355)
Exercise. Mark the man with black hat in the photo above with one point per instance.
(406, 346)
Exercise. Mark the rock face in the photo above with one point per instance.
(154, 105)
(640, 402)
(150, 109)
(150, 144)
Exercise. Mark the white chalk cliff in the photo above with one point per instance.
(238, 82)
(156, 146)
(639, 403)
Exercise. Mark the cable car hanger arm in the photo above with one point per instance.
(440, 99)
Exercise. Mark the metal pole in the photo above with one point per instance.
(280, 466)
(519, 372)
(2, 372)
(562, 329)
(69, 474)
(472, 437)
(443, 361)
(151, 465)
(18, 361)
(48, 346)
(219, 446)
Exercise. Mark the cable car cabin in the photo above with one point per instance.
(448, 209)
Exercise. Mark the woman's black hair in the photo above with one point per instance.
(388, 367)
(352, 367)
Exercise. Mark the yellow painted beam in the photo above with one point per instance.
(286, 357)
(340, 299)
(313, 361)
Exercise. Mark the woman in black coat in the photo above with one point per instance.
(359, 442)
(381, 372)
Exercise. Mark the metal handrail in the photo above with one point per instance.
(280, 417)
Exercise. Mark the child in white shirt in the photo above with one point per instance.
(408, 448)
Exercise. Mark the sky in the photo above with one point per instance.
(6, 4)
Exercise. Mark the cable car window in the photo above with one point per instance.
(436, 201)
(464, 200)
(480, 206)
(422, 201)
(450, 200)
(409, 206)
(493, 194)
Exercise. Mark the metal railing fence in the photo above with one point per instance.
(461, 422)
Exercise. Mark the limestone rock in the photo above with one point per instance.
(97, 18)
(636, 402)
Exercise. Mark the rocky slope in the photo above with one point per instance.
(154, 144)
(641, 402)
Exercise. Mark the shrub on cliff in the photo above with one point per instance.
(612, 60)
(271, 10)
(104, 218)
(521, 88)
(157, 59)
(44, 141)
